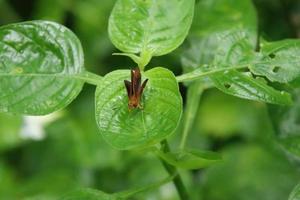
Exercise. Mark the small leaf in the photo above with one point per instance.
(279, 61)
(150, 26)
(89, 194)
(190, 159)
(39, 63)
(124, 128)
(295, 195)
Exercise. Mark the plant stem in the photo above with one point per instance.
(182, 192)
(90, 78)
(196, 74)
(194, 92)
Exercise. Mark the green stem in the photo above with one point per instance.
(89, 78)
(129, 193)
(182, 192)
(198, 73)
(193, 98)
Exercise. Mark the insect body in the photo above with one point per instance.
(135, 89)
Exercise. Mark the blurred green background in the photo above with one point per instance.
(45, 157)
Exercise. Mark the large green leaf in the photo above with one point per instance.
(124, 128)
(149, 26)
(40, 62)
(279, 61)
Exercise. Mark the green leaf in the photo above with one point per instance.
(212, 19)
(279, 61)
(295, 195)
(150, 26)
(286, 122)
(89, 194)
(236, 52)
(40, 66)
(226, 46)
(125, 129)
(213, 16)
(190, 159)
(246, 167)
(243, 85)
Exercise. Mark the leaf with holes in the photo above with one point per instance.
(226, 46)
(243, 85)
(150, 27)
(124, 128)
(39, 63)
(237, 52)
(279, 61)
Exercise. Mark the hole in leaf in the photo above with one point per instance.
(227, 85)
(276, 69)
(272, 55)
(244, 70)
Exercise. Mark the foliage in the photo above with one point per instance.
(44, 67)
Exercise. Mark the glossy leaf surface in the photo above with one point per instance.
(280, 61)
(39, 63)
(226, 48)
(150, 26)
(124, 128)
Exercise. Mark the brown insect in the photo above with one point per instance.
(135, 89)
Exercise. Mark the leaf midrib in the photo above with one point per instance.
(83, 76)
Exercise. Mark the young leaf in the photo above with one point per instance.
(190, 159)
(39, 62)
(279, 61)
(150, 26)
(124, 128)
